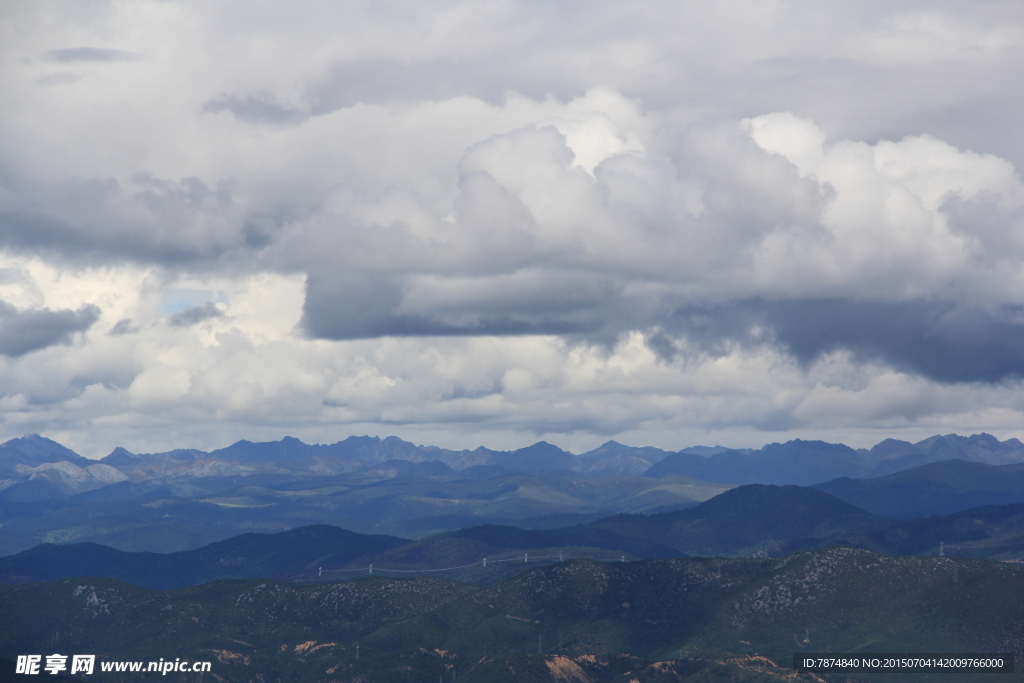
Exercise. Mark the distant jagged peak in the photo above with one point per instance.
(33, 449)
(540, 446)
(120, 457)
(612, 447)
(607, 448)
(889, 447)
(806, 444)
(975, 446)
(707, 451)
(35, 443)
(353, 439)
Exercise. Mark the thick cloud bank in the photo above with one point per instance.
(907, 252)
(24, 331)
(673, 223)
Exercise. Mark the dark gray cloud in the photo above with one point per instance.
(195, 314)
(151, 220)
(356, 306)
(90, 54)
(943, 341)
(985, 220)
(29, 330)
(759, 225)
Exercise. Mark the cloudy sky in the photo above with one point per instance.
(492, 222)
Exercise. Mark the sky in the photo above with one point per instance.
(500, 221)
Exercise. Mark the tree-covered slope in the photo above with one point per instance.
(695, 615)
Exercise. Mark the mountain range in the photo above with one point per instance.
(709, 563)
(806, 463)
(755, 520)
(29, 460)
(185, 499)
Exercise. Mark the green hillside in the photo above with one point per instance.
(656, 620)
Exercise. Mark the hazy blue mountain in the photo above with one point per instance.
(14, 543)
(748, 520)
(806, 463)
(34, 450)
(33, 490)
(744, 520)
(983, 448)
(795, 462)
(483, 472)
(281, 555)
(539, 456)
(688, 464)
(935, 489)
(396, 498)
(33, 468)
(121, 457)
(400, 468)
(751, 520)
(610, 459)
(991, 531)
(186, 498)
(889, 448)
(709, 450)
(614, 459)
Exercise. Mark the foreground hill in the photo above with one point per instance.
(702, 619)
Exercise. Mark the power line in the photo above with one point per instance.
(524, 558)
